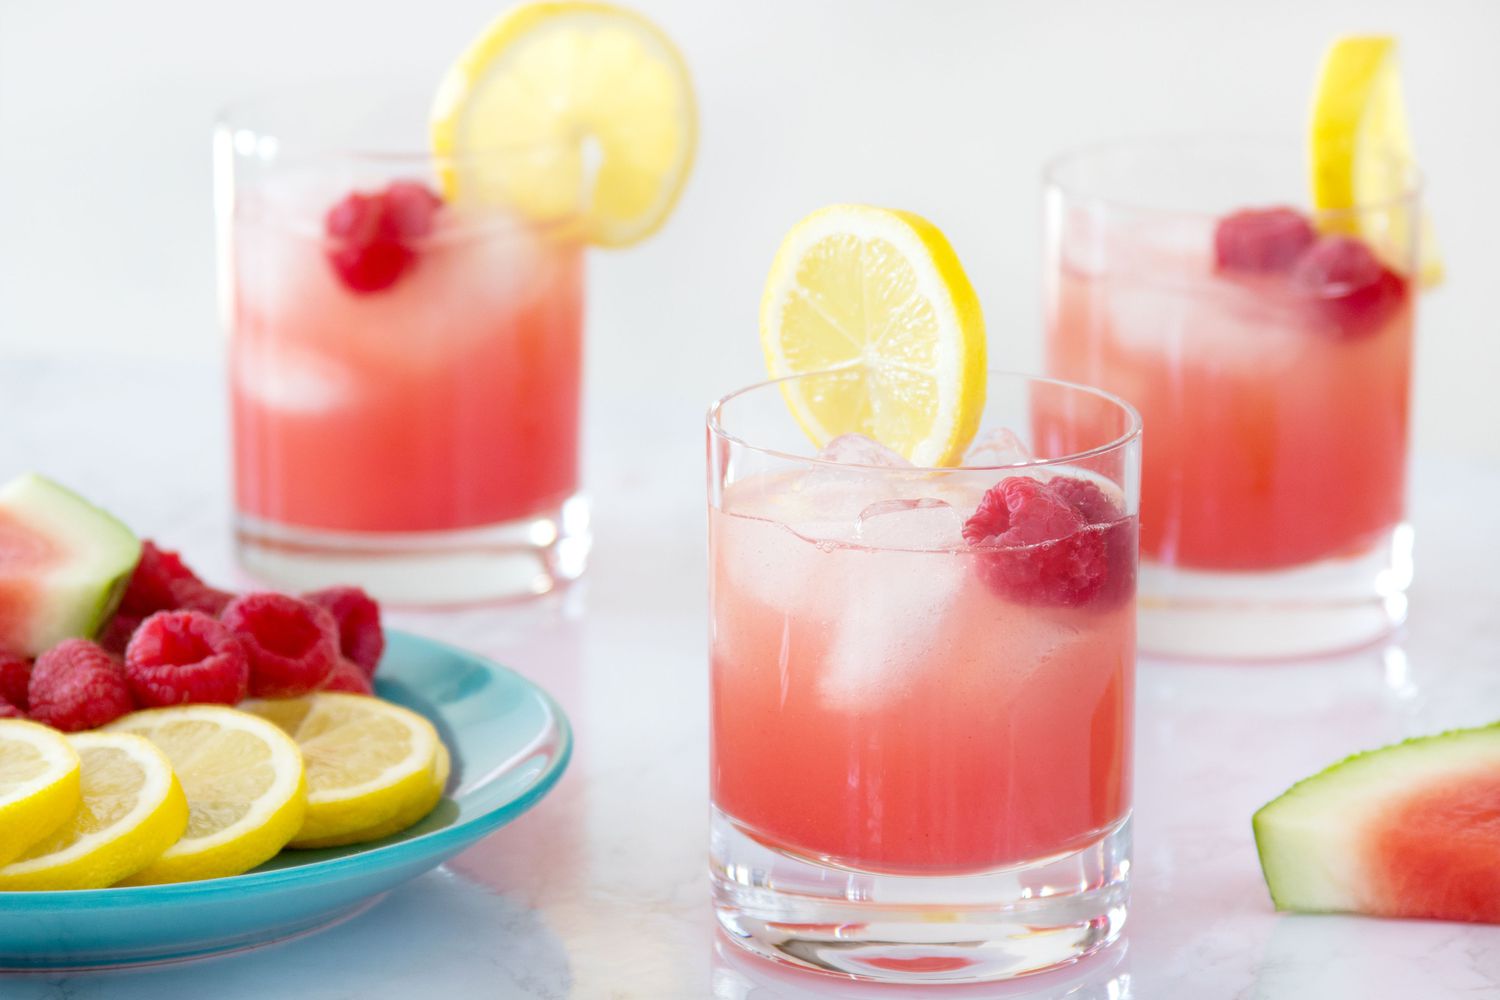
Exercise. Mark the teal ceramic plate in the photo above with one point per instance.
(510, 743)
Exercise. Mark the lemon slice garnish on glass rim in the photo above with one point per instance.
(881, 293)
(566, 111)
(1361, 156)
(132, 810)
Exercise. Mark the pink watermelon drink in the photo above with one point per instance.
(1274, 364)
(405, 371)
(446, 399)
(926, 721)
(1269, 353)
(925, 673)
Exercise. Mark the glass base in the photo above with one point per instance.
(514, 559)
(1325, 607)
(919, 929)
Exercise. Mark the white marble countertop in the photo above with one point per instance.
(601, 891)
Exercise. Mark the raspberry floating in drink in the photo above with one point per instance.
(373, 238)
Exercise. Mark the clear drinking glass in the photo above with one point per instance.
(1270, 359)
(921, 720)
(404, 372)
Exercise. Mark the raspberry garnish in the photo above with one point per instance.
(350, 677)
(361, 638)
(1086, 497)
(10, 711)
(1064, 542)
(77, 685)
(162, 582)
(152, 582)
(177, 657)
(371, 237)
(197, 596)
(1261, 240)
(293, 644)
(1348, 285)
(15, 677)
(116, 635)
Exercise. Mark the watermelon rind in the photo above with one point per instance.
(1311, 840)
(75, 596)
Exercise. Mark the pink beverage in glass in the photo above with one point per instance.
(885, 707)
(922, 687)
(1268, 350)
(405, 370)
(447, 400)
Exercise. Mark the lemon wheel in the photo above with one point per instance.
(1361, 159)
(881, 294)
(245, 784)
(371, 765)
(39, 784)
(569, 111)
(132, 809)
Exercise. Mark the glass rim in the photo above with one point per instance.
(240, 114)
(247, 131)
(1052, 180)
(1132, 432)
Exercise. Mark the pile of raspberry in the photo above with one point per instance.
(175, 640)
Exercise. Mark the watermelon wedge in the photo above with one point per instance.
(63, 565)
(1410, 830)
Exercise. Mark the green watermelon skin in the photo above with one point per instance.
(64, 565)
(1410, 830)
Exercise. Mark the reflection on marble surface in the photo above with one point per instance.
(741, 976)
(438, 936)
(601, 892)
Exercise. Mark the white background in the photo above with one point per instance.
(945, 107)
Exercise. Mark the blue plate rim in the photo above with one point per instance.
(427, 844)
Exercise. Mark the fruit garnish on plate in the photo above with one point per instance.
(185, 651)
(131, 810)
(369, 763)
(1409, 830)
(569, 112)
(64, 564)
(1360, 155)
(246, 789)
(881, 294)
(177, 657)
(39, 784)
(76, 685)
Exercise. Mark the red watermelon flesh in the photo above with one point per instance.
(23, 554)
(1436, 853)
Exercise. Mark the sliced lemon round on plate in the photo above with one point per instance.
(880, 294)
(1361, 155)
(369, 763)
(245, 784)
(414, 811)
(132, 809)
(569, 111)
(39, 784)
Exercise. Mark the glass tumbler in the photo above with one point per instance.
(922, 686)
(404, 370)
(1269, 350)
